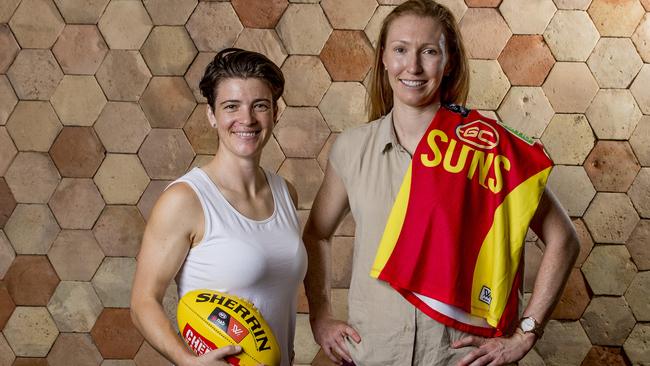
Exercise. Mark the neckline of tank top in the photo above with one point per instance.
(233, 209)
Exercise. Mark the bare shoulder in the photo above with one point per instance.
(177, 206)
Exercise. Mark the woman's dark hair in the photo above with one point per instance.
(235, 63)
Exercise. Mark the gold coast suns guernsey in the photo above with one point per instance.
(453, 242)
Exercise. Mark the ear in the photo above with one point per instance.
(210, 114)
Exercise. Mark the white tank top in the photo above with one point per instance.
(262, 261)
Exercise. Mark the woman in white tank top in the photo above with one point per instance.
(230, 225)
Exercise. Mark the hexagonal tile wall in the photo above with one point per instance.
(641, 38)
(526, 60)
(640, 141)
(342, 249)
(611, 218)
(568, 139)
(272, 155)
(641, 94)
(125, 24)
(616, 19)
(374, 25)
(299, 124)
(600, 355)
(166, 153)
(7, 202)
(570, 87)
(33, 126)
(304, 29)
(114, 334)
(80, 49)
(119, 231)
(148, 356)
(31, 280)
(8, 99)
(167, 102)
(572, 187)
(76, 203)
(348, 14)
(214, 26)
(32, 229)
(259, 13)
(574, 300)
(527, 18)
(7, 150)
(121, 179)
(568, 346)
(75, 255)
(30, 331)
(527, 110)
(7, 306)
(457, 8)
(77, 349)
(123, 75)
(609, 270)
(21, 181)
(488, 84)
(305, 175)
(36, 23)
(264, 41)
(637, 295)
(31, 85)
(9, 47)
(168, 50)
(586, 242)
(640, 194)
(637, 245)
(81, 11)
(304, 89)
(347, 55)
(608, 321)
(611, 166)
(571, 35)
(170, 12)
(195, 73)
(200, 134)
(150, 195)
(74, 306)
(636, 344)
(343, 105)
(7, 256)
(122, 127)
(614, 62)
(113, 280)
(484, 32)
(77, 152)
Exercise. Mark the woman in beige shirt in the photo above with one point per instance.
(419, 63)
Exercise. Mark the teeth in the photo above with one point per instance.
(412, 83)
(246, 134)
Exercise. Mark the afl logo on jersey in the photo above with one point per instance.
(479, 134)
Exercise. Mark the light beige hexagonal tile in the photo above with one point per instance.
(80, 49)
(7, 9)
(75, 255)
(121, 179)
(532, 358)
(78, 100)
(487, 84)
(272, 155)
(344, 14)
(343, 105)
(125, 24)
(306, 176)
(586, 242)
(568, 139)
(298, 125)
(7, 356)
(572, 187)
(303, 343)
(7, 254)
(264, 41)
(571, 35)
(214, 26)
(529, 17)
(484, 33)
(614, 62)
(640, 141)
(637, 244)
(304, 29)
(640, 90)
(8, 100)
(33, 126)
(81, 11)
(613, 114)
(21, 177)
(203, 137)
(168, 50)
(616, 19)
(570, 87)
(31, 229)
(113, 280)
(123, 75)
(35, 85)
(457, 7)
(7, 150)
(170, 12)
(572, 4)
(639, 193)
(122, 126)
(608, 321)
(611, 218)
(636, 345)
(74, 348)
(637, 296)
(609, 270)
(36, 23)
(167, 102)
(30, 331)
(563, 343)
(76, 203)
(195, 73)
(641, 38)
(74, 306)
(306, 81)
(527, 110)
(373, 27)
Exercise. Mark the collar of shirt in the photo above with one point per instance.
(386, 134)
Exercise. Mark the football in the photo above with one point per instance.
(210, 319)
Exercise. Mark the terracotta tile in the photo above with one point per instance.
(7, 150)
(637, 244)
(616, 19)
(76, 203)
(324, 153)
(33, 126)
(150, 196)
(259, 13)
(81, 11)
(568, 344)
(373, 27)
(347, 55)
(7, 9)
(609, 270)
(604, 356)
(637, 296)
(7, 356)
(123, 75)
(74, 349)
(8, 100)
(80, 49)
(264, 41)
(640, 141)
(77, 152)
(272, 155)
(121, 179)
(148, 356)
(7, 256)
(570, 87)
(119, 231)
(304, 344)
(533, 257)
(297, 126)
(74, 306)
(641, 38)
(118, 363)
(568, 139)
(30, 85)
(78, 100)
(114, 334)
(167, 102)
(36, 23)
(636, 346)
(30, 361)
(304, 29)
(484, 32)
(31, 280)
(306, 80)
(488, 84)
(75, 255)
(21, 177)
(526, 60)
(572, 4)
(614, 62)
(646, 4)
(342, 249)
(170, 12)
(526, 109)
(306, 176)
(168, 50)
(571, 35)
(166, 153)
(457, 8)
(343, 105)
(586, 242)
(7, 306)
(125, 24)
(344, 14)
(608, 321)
(214, 26)
(195, 73)
(201, 135)
(575, 298)
(639, 193)
(30, 332)
(113, 280)
(32, 229)
(639, 89)
(9, 48)
(529, 17)
(611, 218)
(483, 3)
(122, 126)
(611, 166)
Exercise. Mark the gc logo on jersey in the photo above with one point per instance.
(479, 134)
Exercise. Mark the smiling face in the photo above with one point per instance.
(415, 58)
(243, 116)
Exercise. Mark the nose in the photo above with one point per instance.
(414, 65)
(247, 117)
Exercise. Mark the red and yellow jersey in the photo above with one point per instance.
(454, 238)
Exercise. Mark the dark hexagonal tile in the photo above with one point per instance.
(259, 13)
(7, 202)
(7, 305)
(80, 49)
(575, 298)
(611, 166)
(202, 136)
(526, 60)
(115, 335)
(166, 153)
(167, 102)
(195, 73)
(347, 55)
(31, 280)
(74, 349)
(76, 203)
(7, 255)
(77, 152)
(8, 101)
(608, 321)
(119, 231)
(610, 356)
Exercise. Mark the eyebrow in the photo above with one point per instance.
(239, 101)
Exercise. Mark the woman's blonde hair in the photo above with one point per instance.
(455, 84)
